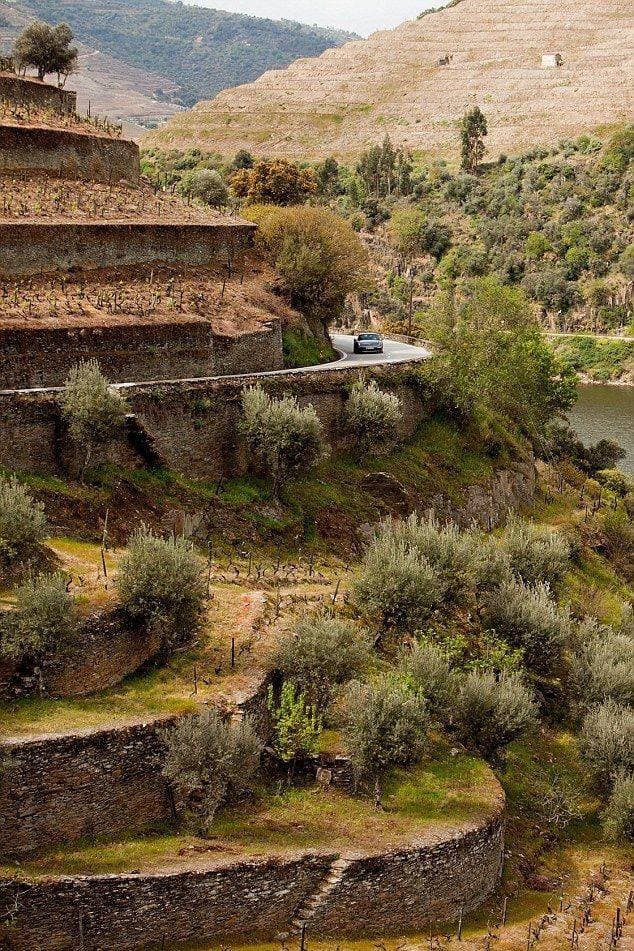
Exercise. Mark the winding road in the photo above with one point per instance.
(394, 352)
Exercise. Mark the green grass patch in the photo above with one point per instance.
(301, 349)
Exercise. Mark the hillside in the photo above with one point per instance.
(344, 100)
(147, 58)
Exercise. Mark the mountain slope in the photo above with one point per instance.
(169, 53)
(392, 83)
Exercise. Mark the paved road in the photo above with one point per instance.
(394, 352)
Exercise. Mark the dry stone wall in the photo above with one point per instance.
(134, 911)
(60, 788)
(40, 357)
(192, 425)
(24, 92)
(405, 889)
(38, 247)
(392, 892)
(68, 154)
(108, 647)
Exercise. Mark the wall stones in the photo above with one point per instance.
(67, 154)
(378, 894)
(27, 92)
(405, 889)
(133, 911)
(107, 648)
(40, 357)
(60, 788)
(192, 425)
(28, 248)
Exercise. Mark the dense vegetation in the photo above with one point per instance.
(555, 223)
(201, 50)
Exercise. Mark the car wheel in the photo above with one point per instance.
(355, 348)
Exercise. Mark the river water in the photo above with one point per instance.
(606, 412)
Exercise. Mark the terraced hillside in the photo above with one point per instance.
(142, 60)
(393, 83)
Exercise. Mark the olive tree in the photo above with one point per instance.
(286, 437)
(527, 618)
(43, 620)
(536, 554)
(428, 668)
(22, 522)
(386, 725)
(160, 582)
(206, 185)
(396, 586)
(618, 816)
(211, 761)
(602, 666)
(606, 741)
(48, 49)
(93, 410)
(489, 713)
(320, 653)
(372, 417)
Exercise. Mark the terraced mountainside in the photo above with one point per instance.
(144, 59)
(343, 101)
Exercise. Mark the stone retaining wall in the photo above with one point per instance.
(68, 154)
(40, 357)
(107, 648)
(28, 248)
(395, 892)
(134, 911)
(192, 425)
(60, 788)
(24, 92)
(408, 888)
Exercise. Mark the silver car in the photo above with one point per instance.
(368, 343)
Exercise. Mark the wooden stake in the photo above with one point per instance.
(233, 652)
(460, 923)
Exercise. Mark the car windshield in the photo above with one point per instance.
(369, 337)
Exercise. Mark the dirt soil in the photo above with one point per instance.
(233, 305)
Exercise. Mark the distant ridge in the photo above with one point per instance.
(149, 58)
(416, 81)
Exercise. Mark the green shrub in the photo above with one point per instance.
(527, 618)
(297, 725)
(490, 713)
(286, 438)
(616, 481)
(320, 653)
(211, 761)
(428, 668)
(396, 587)
(318, 256)
(206, 185)
(618, 817)
(607, 740)
(386, 725)
(93, 410)
(160, 581)
(536, 554)
(449, 551)
(602, 668)
(372, 418)
(22, 522)
(43, 621)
